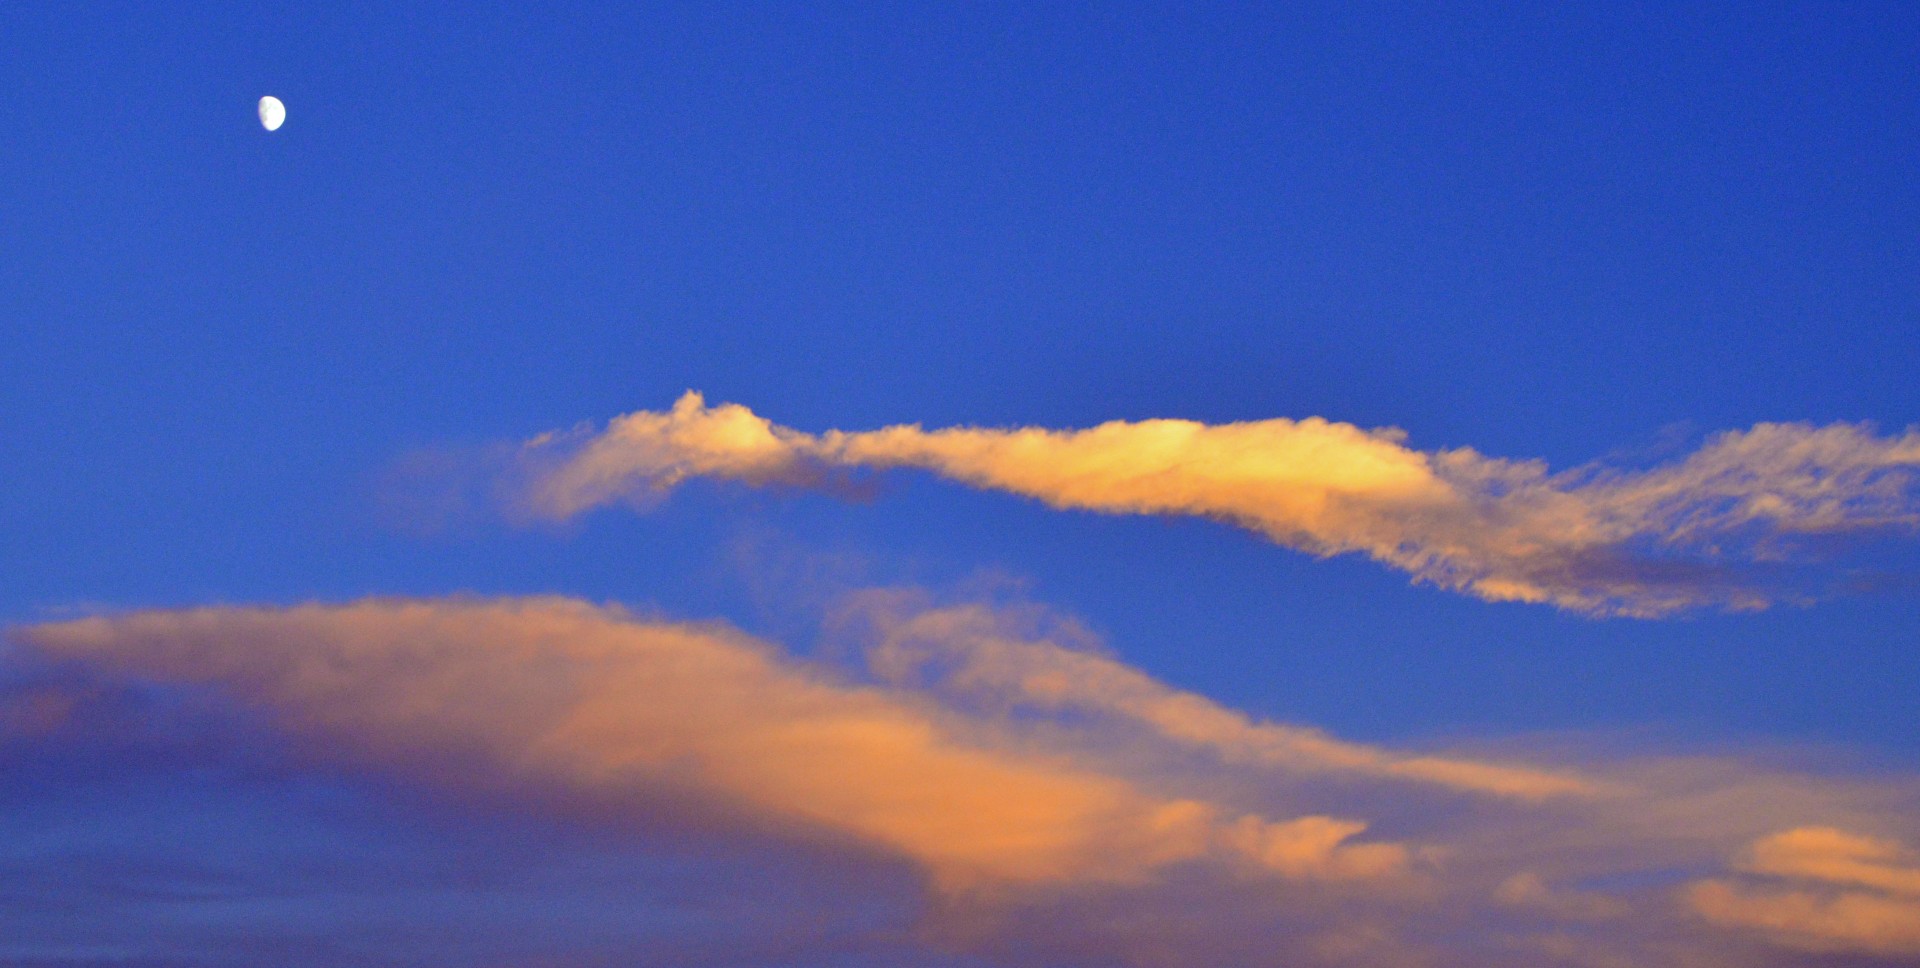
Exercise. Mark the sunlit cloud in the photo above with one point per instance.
(1837, 857)
(1709, 530)
(1834, 921)
(1822, 889)
(608, 706)
(977, 655)
(1055, 802)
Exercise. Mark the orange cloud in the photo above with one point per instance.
(1842, 922)
(600, 703)
(1838, 857)
(976, 651)
(1848, 892)
(1059, 802)
(1590, 540)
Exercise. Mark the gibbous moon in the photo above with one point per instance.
(273, 114)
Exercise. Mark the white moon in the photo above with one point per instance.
(273, 114)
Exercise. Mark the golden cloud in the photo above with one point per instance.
(1828, 890)
(1591, 540)
(603, 704)
(1057, 801)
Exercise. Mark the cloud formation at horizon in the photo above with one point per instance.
(556, 692)
(1054, 800)
(1694, 533)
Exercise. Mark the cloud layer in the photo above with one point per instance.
(1054, 802)
(1822, 889)
(1704, 531)
(554, 693)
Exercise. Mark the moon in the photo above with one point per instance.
(273, 114)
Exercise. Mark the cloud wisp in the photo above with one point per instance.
(1822, 890)
(605, 706)
(1702, 532)
(978, 656)
(1053, 801)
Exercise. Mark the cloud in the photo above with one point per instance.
(1704, 531)
(597, 703)
(1843, 921)
(1845, 892)
(1058, 806)
(977, 652)
(1837, 857)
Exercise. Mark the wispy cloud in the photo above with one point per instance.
(1056, 802)
(610, 707)
(978, 656)
(1822, 889)
(1699, 532)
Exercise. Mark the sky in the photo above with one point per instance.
(975, 484)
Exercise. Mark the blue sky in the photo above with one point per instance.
(1580, 234)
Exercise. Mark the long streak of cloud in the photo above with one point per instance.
(553, 692)
(977, 655)
(1592, 540)
(1057, 801)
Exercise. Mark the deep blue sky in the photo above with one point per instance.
(1567, 233)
